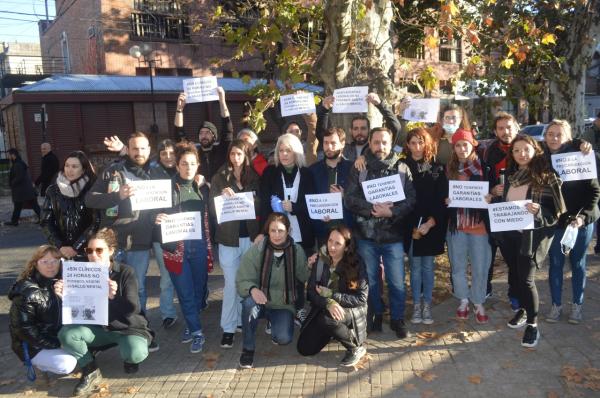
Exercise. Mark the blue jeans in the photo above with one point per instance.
(139, 261)
(167, 308)
(282, 324)
(421, 277)
(229, 258)
(190, 284)
(393, 264)
(578, 259)
(463, 247)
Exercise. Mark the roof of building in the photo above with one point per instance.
(135, 84)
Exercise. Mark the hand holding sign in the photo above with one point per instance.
(383, 190)
(468, 194)
(327, 206)
(350, 100)
(149, 194)
(511, 216)
(575, 166)
(297, 104)
(422, 110)
(200, 89)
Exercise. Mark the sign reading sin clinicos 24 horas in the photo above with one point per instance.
(85, 293)
(468, 194)
(510, 216)
(385, 189)
(575, 166)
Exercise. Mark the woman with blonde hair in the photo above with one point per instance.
(34, 315)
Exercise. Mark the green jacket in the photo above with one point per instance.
(248, 275)
(592, 135)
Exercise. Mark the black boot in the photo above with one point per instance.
(400, 328)
(90, 378)
(377, 323)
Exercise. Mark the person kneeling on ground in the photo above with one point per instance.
(35, 315)
(266, 281)
(338, 292)
(127, 327)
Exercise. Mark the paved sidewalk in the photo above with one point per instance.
(447, 359)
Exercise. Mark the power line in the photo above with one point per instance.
(17, 19)
(19, 13)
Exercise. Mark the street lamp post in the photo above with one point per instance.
(143, 55)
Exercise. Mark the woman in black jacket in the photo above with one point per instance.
(581, 198)
(21, 187)
(338, 292)
(127, 327)
(66, 221)
(34, 315)
(427, 225)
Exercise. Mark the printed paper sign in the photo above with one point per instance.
(85, 293)
(297, 104)
(575, 166)
(182, 226)
(151, 194)
(468, 194)
(351, 100)
(326, 204)
(385, 189)
(510, 216)
(237, 207)
(422, 110)
(200, 89)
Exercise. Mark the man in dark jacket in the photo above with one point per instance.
(212, 146)
(330, 175)
(49, 168)
(134, 228)
(378, 227)
(21, 187)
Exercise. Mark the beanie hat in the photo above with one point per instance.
(211, 127)
(248, 131)
(463, 135)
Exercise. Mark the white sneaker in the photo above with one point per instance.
(576, 316)
(554, 314)
(416, 318)
(427, 318)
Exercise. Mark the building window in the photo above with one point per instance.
(446, 87)
(410, 86)
(451, 50)
(160, 20)
(414, 52)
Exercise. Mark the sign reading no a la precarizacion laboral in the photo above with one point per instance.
(384, 189)
(182, 226)
(85, 293)
(200, 89)
(325, 205)
(573, 166)
(468, 194)
(510, 216)
(238, 207)
(151, 194)
(297, 104)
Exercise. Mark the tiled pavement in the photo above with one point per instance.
(447, 359)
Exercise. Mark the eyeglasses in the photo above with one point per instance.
(451, 118)
(90, 250)
(49, 262)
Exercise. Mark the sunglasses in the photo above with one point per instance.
(98, 250)
(49, 262)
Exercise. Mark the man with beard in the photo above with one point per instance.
(379, 227)
(330, 175)
(360, 124)
(134, 228)
(212, 147)
(49, 168)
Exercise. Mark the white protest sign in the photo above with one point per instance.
(385, 189)
(200, 89)
(575, 166)
(351, 100)
(510, 216)
(182, 226)
(85, 293)
(240, 206)
(297, 104)
(422, 110)
(326, 204)
(151, 194)
(468, 194)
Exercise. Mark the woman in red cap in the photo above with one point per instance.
(468, 229)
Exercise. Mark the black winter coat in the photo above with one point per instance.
(34, 315)
(20, 182)
(67, 221)
(50, 167)
(352, 300)
(431, 184)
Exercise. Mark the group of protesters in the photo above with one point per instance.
(274, 263)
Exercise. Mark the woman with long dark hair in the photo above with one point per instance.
(427, 225)
(234, 237)
(66, 221)
(338, 293)
(530, 176)
(34, 315)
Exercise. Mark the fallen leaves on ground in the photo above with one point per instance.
(410, 387)
(425, 375)
(28, 392)
(210, 359)
(508, 365)
(131, 390)
(6, 382)
(101, 391)
(552, 394)
(475, 379)
(427, 394)
(588, 378)
(362, 364)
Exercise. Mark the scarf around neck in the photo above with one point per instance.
(538, 193)
(68, 188)
(289, 264)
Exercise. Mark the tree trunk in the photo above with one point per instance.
(357, 52)
(568, 92)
